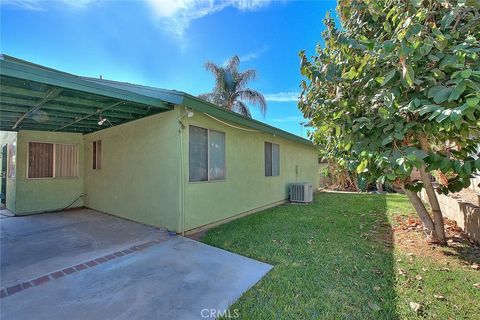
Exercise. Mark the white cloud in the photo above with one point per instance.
(290, 119)
(176, 15)
(79, 3)
(24, 4)
(282, 96)
(254, 55)
(42, 5)
(249, 56)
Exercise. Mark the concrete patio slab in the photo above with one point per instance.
(35, 245)
(176, 279)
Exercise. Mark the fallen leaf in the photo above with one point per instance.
(475, 266)
(415, 306)
(377, 271)
(410, 221)
(418, 277)
(374, 306)
(439, 296)
(402, 272)
(477, 285)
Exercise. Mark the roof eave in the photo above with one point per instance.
(207, 107)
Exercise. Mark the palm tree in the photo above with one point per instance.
(231, 90)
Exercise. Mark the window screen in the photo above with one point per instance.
(217, 155)
(12, 160)
(268, 159)
(97, 154)
(66, 160)
(40, 160)
(198, 154)
(272, 159)
(275, 159)
(206, 154)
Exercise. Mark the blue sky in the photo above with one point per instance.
(165, 43)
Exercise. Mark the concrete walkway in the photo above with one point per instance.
(35, 245)
(159, 277)
(176, 279)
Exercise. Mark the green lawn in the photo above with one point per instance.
(337, 259)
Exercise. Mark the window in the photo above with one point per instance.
(66, 160)
(12, 155)
(217, 155)
(97, 154)
(50, 160)
(40, 160)
(206, 154)
(272, 159)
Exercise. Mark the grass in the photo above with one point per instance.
(338, 259)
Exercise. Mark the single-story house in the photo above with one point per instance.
(161, 157)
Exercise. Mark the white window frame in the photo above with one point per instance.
(54, 160)
(208, 156)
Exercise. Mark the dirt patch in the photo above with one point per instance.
(197, 236)
(410, 240)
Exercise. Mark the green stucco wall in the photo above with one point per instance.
(246, 187)
(10, 139)
(139, 175)
(37, 195)
(144, 173)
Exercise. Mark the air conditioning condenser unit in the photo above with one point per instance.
(301, 192)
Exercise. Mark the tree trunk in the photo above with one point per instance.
(436, 211)
(432, 197)
(428, 226)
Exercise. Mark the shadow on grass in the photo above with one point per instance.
(332, 259)
(463, 250)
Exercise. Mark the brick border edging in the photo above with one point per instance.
(8, 291)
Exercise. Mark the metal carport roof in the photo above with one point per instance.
(33, 97)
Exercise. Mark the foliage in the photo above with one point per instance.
(396, 86)
(231, 90)
(334, 259)
(342, 179)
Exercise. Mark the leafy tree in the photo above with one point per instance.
(398, 88)
(231, 90)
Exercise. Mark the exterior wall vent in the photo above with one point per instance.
(301, 192)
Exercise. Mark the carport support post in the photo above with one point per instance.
(181, 126)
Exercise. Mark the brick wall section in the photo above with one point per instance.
(467, 215)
